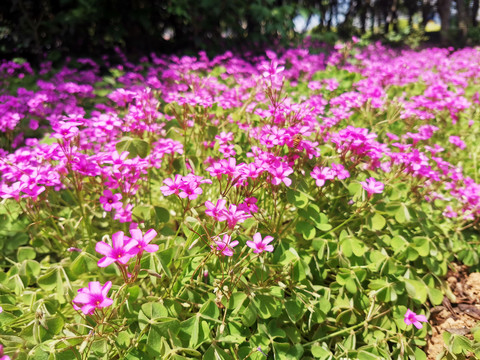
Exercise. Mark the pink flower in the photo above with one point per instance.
(412, 318)
(121, 251)
(93, 297)
(224, 246)
(124, 214)
(216, 211)
(143, 241)
(235, 216)
(272, 69)
(2, 356)
(279, 172)
(258, 245)
(372, 186)
(340, 172)
(109, 200)
(172, 186)
(321, 175)
(455, 140)
(184, 186)
(249, 205)
(224, 137)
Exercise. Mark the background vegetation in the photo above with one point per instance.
(35, 29)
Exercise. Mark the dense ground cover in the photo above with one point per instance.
(297, 205)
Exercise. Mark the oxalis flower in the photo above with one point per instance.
(2, 356)
(143, 241)
(372, 186)
(260, 245)
(122, 251)
(225, 245)
(93, 297)
(412, 318)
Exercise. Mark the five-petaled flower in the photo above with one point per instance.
(260, 245)
(412, 318)
(225, 245)
(143, 241)
(122, 250)
(372, 186)
(110, 200)
(93, 297)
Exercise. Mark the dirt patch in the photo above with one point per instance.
(458, 313)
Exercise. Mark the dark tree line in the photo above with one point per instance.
(33, 28)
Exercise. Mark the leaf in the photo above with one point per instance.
(142, 213)
(216, 353)
(25, 253)
(194, 331)
(249, 316)
(376, 222)
(402, 214)
(358, 247)
(165, 257)
(306, 229)
(48, 281)
(162, 214)
(294, 310)
(209, 311)
(150, 312)
(287, 351)
(135, 147)
(267, 306)
(297, 198)
(461, 344)
(416, 290)
(320, 353)
(422, 245)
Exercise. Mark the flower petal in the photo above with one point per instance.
(105, 261)
(149, 235)
(103, 248)
(117, 240)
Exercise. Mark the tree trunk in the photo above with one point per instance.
(474, 13)
(426, 9)
(443, 7)
(462, 20)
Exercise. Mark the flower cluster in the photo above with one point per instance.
(225, 245)
(184, 186)
(124, 248)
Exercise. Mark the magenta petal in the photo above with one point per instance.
(422, 318)
(136, 234)
(149, 235)
(251, 244)
(106, 288)
(82, 298)
(227, 252)
(117, 240)
(88, 309)
(125, 258)
(269, 248)
(105, 303)
(151, 248)
(130, 245)
(103, 248)
(267, 239)
(105, 261)
(94, 287)
(418, 324)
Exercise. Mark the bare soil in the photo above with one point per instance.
(459, 312)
